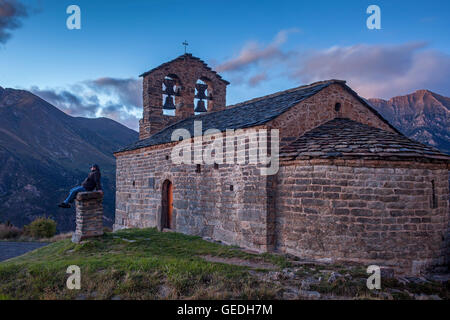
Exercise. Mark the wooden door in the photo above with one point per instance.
(166, 205)
(170, 205)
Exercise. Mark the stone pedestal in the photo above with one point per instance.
(89, 216)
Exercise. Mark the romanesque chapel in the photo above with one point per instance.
(349, 187)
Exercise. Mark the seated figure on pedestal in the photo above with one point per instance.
(91, 183)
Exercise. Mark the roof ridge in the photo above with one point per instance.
(275, 94)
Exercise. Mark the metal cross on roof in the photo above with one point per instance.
(185, 44)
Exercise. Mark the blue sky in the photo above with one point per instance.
(259, 46)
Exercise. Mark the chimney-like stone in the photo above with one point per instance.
(89, 216)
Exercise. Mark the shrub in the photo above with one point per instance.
(8, 231)
(41, 228)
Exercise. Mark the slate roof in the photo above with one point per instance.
(348, 139)
(184, 56)
(247, 114)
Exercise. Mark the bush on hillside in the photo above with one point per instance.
(8, 231)
(41, 228)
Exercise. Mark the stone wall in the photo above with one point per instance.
(319, 109)
(227, 202)
(89, 216)
(374, 213)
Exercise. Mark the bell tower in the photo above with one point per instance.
(179, 89)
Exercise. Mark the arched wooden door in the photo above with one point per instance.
(167, 204)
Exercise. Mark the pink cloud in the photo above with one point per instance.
(377, 70)
(256, 79)
(252, 53)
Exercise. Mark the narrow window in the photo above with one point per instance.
(231, 187)
(216, 166)
(337, 107)
(167, 157)
(199, 168)
(433, 195)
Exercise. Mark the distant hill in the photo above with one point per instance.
(422, 115)
(44, 152)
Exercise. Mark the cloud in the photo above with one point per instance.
(256, 79)
(253, 53)
(68, 101)
(129, 90)
(377, 70)
(11, 13)
(115, 98)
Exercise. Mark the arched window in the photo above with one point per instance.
(170, 90)
(201, 96)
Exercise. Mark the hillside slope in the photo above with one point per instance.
(141, 264)
(44, 152)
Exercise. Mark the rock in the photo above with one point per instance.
(76, 238)
(305, 285)
(164, 291)
(290, 293)
(396, 291)
(274, 275)
(386, 296)
(289, 275)
(403, 280)
(409, 294)
(116, 298)
(387, 272)
(334, 276)
(426, 297)
(439, 277)
(325, 260)
(419, 280)
(313, 295)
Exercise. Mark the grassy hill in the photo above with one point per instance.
(147, 264)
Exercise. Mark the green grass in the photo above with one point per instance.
(155, 266)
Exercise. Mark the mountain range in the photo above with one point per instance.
(423, 116)
(44, 152)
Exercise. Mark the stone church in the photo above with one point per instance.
(350, 187)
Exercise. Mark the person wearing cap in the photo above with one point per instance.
(91, 183)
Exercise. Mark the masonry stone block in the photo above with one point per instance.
(89, 216)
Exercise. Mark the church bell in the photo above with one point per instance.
(200, 106)
(168, 105)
